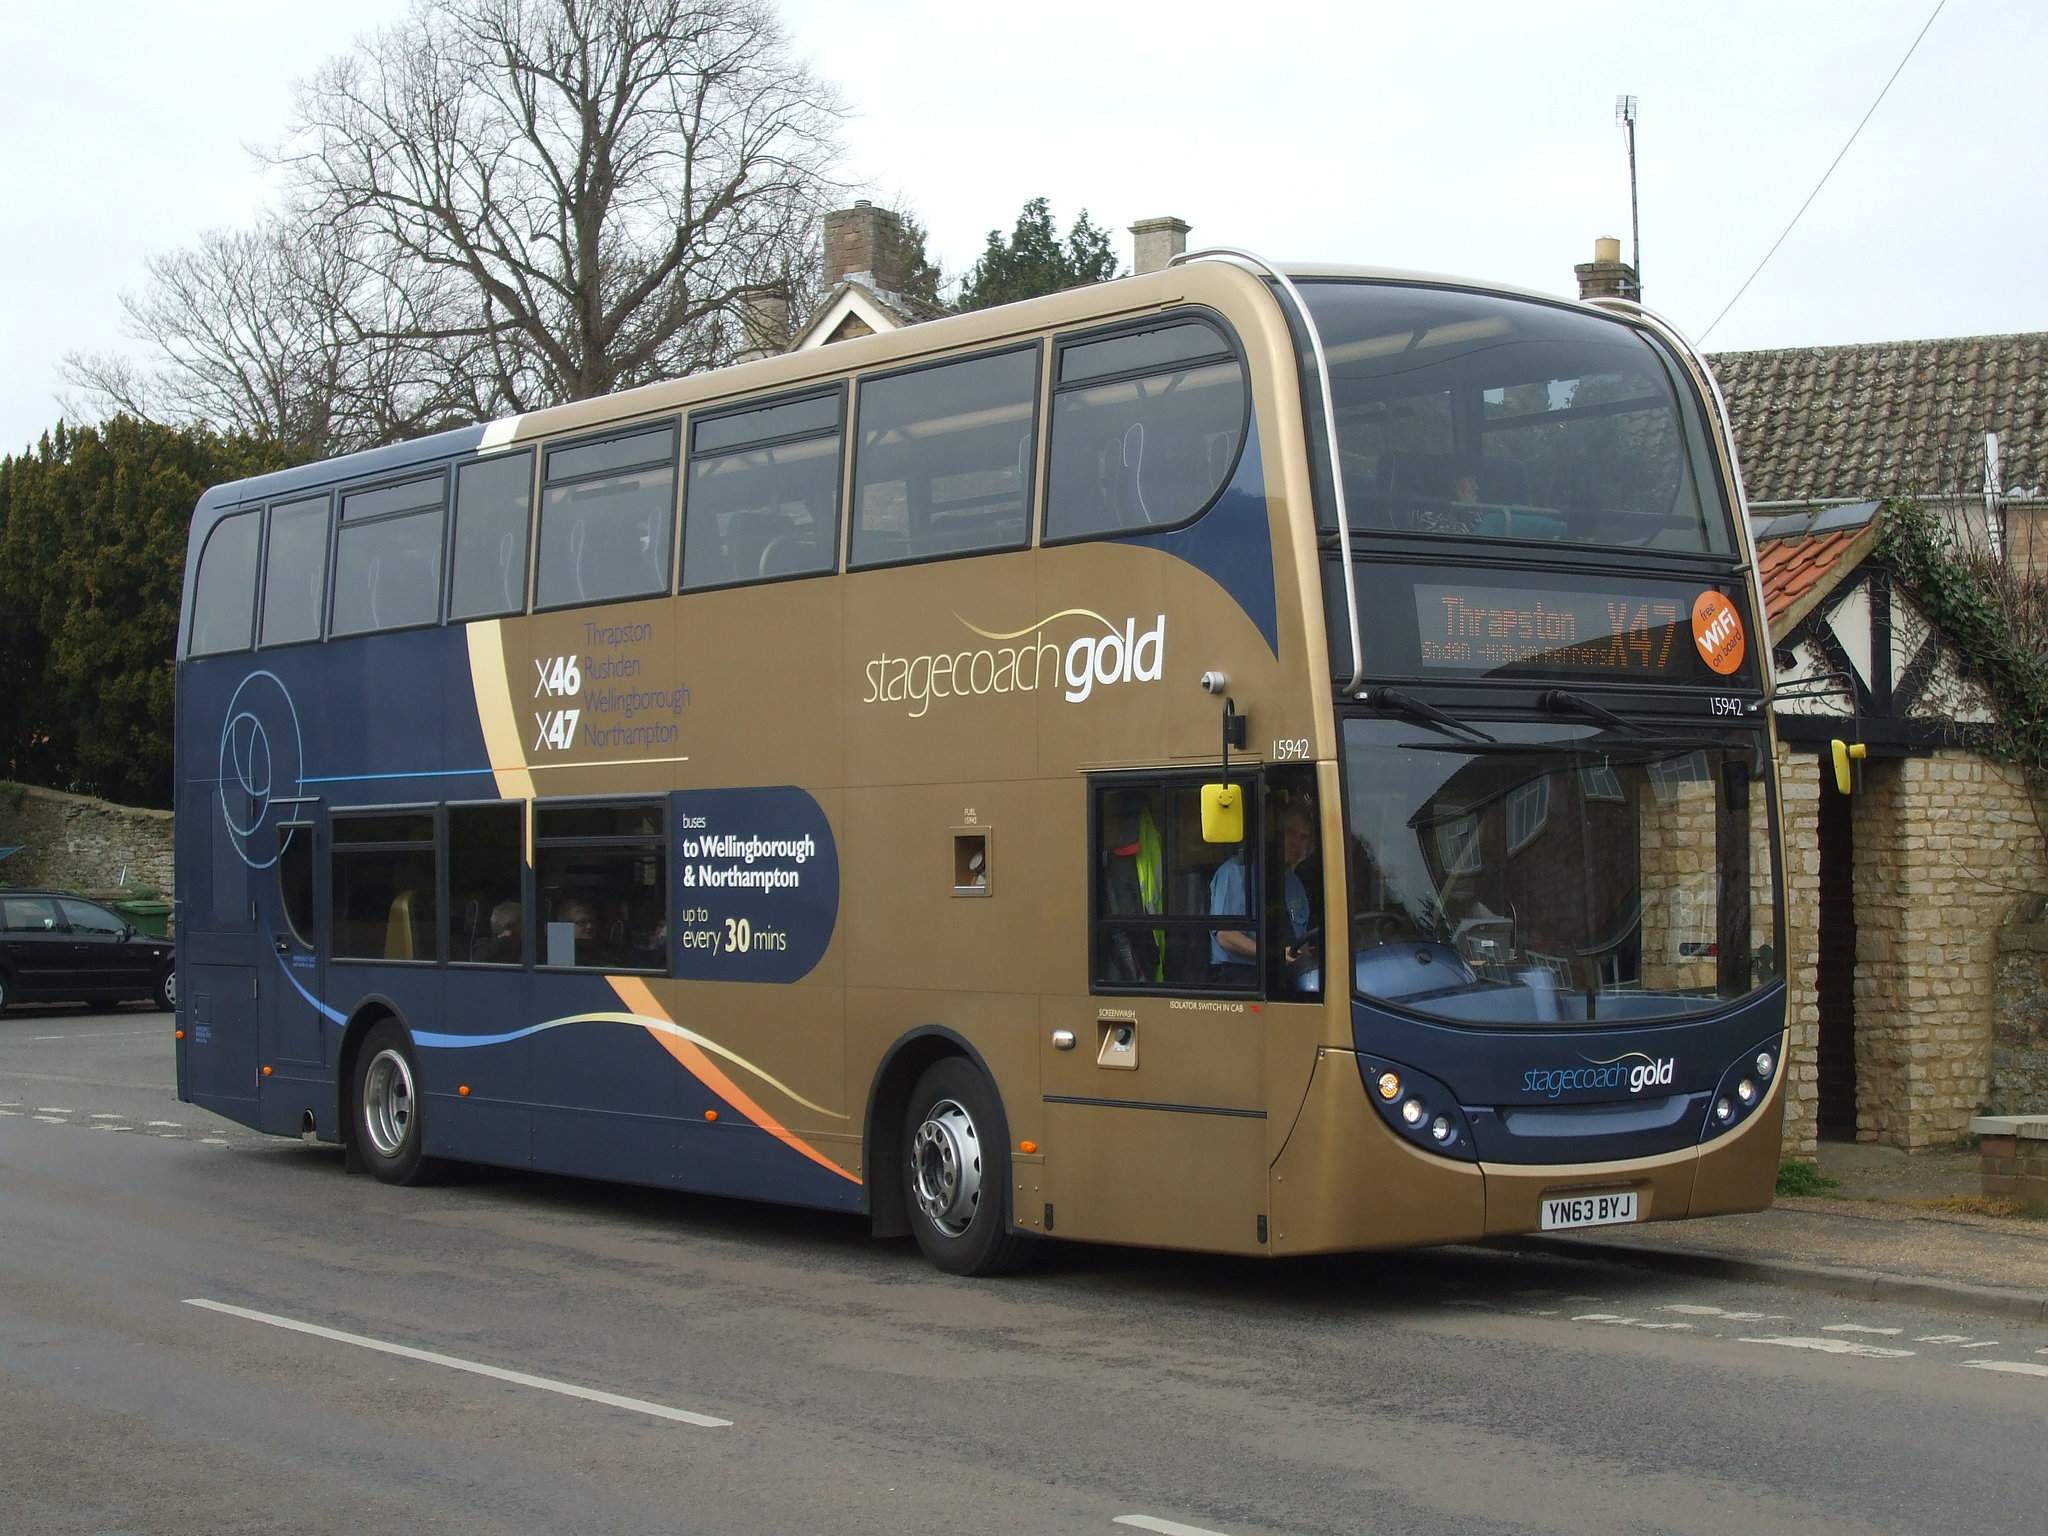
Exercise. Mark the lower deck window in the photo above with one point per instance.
(601, 885)
(384, 884)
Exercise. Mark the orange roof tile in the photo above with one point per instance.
(1798, 568)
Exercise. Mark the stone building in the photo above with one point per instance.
(1899, 891)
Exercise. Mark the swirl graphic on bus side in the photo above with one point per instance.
(262, 759)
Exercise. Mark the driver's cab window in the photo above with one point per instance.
(1174, 913)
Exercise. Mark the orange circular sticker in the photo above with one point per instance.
(1717, 631)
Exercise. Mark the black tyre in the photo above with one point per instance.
(387, 1104)
(956, 1172)
(166, 992)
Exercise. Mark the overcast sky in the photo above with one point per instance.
(1473, 138)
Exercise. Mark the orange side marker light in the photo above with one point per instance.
(266, 1071)
(179, 1033)
(710, 1114)
(463, 1090)
(1027, 1147)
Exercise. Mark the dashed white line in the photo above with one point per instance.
(52, 1119)
(1942, 1338)
(2014, 1367)
(54, 1109)
(213, 1141)
(170, 1125)
(105, 1115)
(496, 1373)
(1888, 1333)
(1980, 1344)
(1837, 1347)
(1163, 1527)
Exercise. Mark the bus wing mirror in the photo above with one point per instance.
(1222, 813)
(1843, 753)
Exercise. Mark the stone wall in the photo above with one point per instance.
(1945, 847)
(83, 844)
(2019, 1021)
(1799, 786)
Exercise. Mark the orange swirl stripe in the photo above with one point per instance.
(638, 998)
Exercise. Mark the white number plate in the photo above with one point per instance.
(1588, 1210)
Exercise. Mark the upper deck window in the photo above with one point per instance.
(224, 597)
(606, 518)
(1483, 417)
(387, 557)
(1145, 428)
(493, 508)
(295, 573)
(763, 497)
(945, 457)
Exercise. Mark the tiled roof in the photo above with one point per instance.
(1802, 558)
(1826, 422)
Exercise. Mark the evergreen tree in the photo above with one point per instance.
(92, 566)
(1033, 261)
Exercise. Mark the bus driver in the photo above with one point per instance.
(1234, 953)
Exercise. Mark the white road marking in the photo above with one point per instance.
(1837, 1347)
(1981, 1344)
(54, 1109)
(213, 1141)
(1163, 1527)
(1889, 1333)
(12, 1114)
(1943, 1338)
(52, 1119)
(2015, 1367)
(104, 1115)
(1602, 1317)
(496, 1373)
(1699, 1311)
(173, 1125)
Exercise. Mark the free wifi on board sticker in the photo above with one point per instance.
(1717, 631)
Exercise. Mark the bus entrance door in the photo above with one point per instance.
(289, 1015)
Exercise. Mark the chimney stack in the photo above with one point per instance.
(1155, 242)
(764, 324)
(1607, 276)
(864, 243)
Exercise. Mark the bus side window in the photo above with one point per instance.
(763, 497)
(1146, 427)
(1157, 889)
(224, 597)
(944, 459)
(387, 557)
(384, 882)
(296, 571)
(606, 518)
(486, 865)
(600, 874)
(493, 510)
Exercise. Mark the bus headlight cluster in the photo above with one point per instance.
(1743, 1087)
(1418, 1108)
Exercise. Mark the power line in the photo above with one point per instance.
(1823, 178)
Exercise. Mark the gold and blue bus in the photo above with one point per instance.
(1231, 759)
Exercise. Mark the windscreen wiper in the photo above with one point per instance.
(1586, 747)
(1559, 702)
(1394, 699)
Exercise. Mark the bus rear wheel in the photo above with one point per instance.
(387, 1107)
(956, 1173)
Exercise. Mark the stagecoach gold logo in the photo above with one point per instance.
(1023, 661)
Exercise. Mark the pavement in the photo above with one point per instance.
(1896, 1226)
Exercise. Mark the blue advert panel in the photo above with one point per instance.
(757, 884)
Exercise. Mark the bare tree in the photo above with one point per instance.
(603, 179)
(495, 205)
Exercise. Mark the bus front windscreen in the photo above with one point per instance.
(1475, 416)
(1557, 874)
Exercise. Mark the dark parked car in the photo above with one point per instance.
(56, 947)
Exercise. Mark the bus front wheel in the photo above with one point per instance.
(387, 1104)
(956, 1173)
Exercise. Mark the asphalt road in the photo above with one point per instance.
(1455, 1390)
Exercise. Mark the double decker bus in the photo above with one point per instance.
(1227, 759)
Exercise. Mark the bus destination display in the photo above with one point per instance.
(1646, 631)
